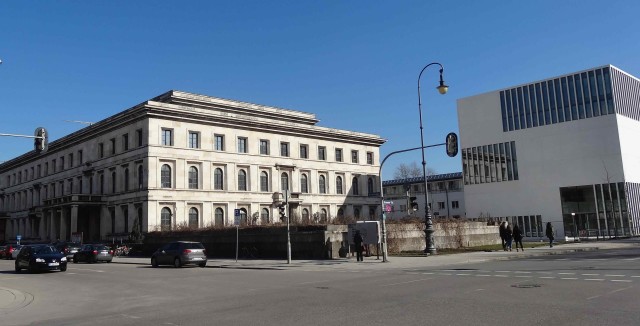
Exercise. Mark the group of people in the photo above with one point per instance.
(509, 234)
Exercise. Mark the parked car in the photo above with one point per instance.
(68, 248)
(2, 248)
(180, 253)
(40, 258)
(93, 253)
(8, 249)
(16, 251)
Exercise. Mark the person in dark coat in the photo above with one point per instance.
(508, 237)
(550, 234)
(517, 236)
(357, 240)
(503, 227)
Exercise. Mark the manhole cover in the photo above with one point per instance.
(526, 286)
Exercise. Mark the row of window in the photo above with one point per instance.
(166, 181)
(66, 161)
(490, 163)
(264, 147)
(578, 96)
(440, 186)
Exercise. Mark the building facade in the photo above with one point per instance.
(446, 196)
(188, 160)
(560, 150)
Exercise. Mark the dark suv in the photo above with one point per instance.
(180, 253)
(68, 248)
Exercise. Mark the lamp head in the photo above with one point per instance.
(442, 88)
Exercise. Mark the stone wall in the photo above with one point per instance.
(322, 241)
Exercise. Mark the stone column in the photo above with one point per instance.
(42, 227)
(74, 218)
(52, 225)
(64, 228)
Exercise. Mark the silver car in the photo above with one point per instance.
(180, 253)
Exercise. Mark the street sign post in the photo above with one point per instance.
(18, 238)
(236, 221)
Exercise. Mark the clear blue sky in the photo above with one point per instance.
(352, 63)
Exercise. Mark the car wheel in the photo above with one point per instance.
(18, 269)
(177, 263)
(202, 264)
(63, 268)
(75, 259)
(154, 263)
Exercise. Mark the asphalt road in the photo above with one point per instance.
(585, 288)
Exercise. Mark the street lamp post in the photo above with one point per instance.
(430, 247)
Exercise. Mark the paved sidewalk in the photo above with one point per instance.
(371, 263)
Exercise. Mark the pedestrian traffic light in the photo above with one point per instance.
(413, 204)
(452, 144)
(282, 209)
(41, 140)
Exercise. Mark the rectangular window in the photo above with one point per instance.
(113, 146)
(593, 90)
(54, 165)
(608, 92)
(516, 114)
(322, 153)
(572, 98)
(39, 170)
(441, 205)
(80, 158)
(167, 137)
(509, 109)
(503, 110)
(139, 139)
(338, 154)
(284, 149)
(521, 109)
(62, 163)
(218, 142)
(264, 147)
(514, 159)
(565, 99)
(354, 156)
(585, 97)
(101, 150)
(370, 158)
(455, 204)
(557, 90)
(194, 139)
(71, 160)
(125, 142)
(304, 151)
(534, 106)
(242, 145)
(46, 168)
(527, 106)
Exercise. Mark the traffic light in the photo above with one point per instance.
(282, 209)
(452, 144)
(413, 204)
(41, 140)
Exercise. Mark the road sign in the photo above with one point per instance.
(236, 216)
(388, 206)
(18, 237)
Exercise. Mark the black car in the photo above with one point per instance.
(180, 253)
(40, 258)
(93, 253)
(68, 248)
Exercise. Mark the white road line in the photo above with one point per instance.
(566, 273)
(635, 276)
(88, 269)
(547, 277)
(502, 272)
(527, 276)
(483, 275)
(543, 272)
(445, 274)
(413, 281)
(627, 281)
(594, 279)
(523, 272)
(593, 297)
(427, 273)
(463, 274)
(563, 259)
(618, 290)
(590, 274)
(500, 275)
(614, 275)
(569, 278)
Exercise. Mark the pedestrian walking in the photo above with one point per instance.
(508, 237)
(502, 228)
(550, 234)
(517, 236)
(357, 240)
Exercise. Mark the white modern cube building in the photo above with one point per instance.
(188, 160)
(562, 150)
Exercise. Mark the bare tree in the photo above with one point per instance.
(412, 170)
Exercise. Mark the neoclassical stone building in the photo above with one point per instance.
(186, 159)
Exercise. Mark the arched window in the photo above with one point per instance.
(193, 177)
(140, 176)
(284, 181)
(242, 180)
(165, 176)
(139, 219)
(193, 218)
(370, 186)
(217, 179)
(165, 219)
(101, 185)
(356, 213)
(264, 181)
(305, 215)
(322, 187)
(243, 216)
(219, 217)
(113, 182)
(304, 185)
(339, 185)
(354, 186)
(340, 213)
(372, 213)
(323, 216)
(265, 216)
(126, 179)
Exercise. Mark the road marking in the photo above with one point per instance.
(499, 275)
(593, 297)
(413, 281)
(483, 275)
(528, 276)
(613, 275)
(631, 258)
(543, 272)
(522, 272)
(502, 271)
(627, 281)
(566, 273)
(618, 290)
(563, 259)
(635, 276)
(547, 277)
(594, 279)
(445, 274)
(590, 274)
(427, 273)
(463, 274)
(569, 278)
(87, 269)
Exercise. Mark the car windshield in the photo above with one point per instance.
(75, 245)
(44, 250)
(101, 248)
(196, 245)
